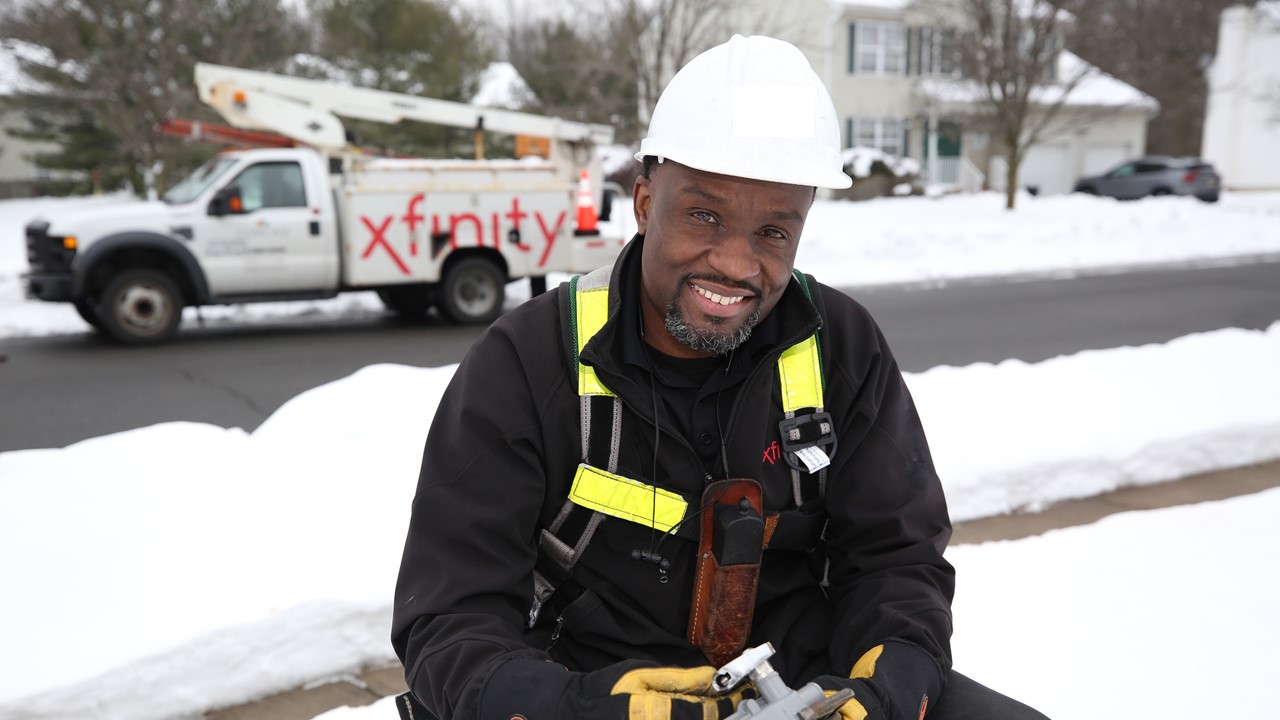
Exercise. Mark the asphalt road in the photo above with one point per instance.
(59, 390)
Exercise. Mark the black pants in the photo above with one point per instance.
(965, 699)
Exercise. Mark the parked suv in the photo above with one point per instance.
(1156, 176)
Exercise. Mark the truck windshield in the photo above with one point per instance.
(198, 181)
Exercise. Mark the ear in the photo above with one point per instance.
(641, 202)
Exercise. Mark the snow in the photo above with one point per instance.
(12, 78)
(859, 159)
(200, 566)
(1093, 88)
(502, 87)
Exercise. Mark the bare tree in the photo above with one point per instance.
(576, 70)
(1161, 47)
(1009, 55)
(663, 35)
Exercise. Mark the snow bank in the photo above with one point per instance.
(198, 566)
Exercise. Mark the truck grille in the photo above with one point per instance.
(45, 252)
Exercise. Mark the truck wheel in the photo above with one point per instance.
(474, 290)
(140, 306)
(408, 303)
(88, 312)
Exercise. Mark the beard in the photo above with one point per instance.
(716, 339)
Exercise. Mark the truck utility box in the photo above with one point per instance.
(404, 216)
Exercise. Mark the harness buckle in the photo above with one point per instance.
(808, 441)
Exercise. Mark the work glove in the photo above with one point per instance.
(632, 690)
(885, 673)
(864, 704)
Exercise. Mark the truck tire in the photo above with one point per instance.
(408, 303)
(140, 306)
(88, 312)
(473, 292)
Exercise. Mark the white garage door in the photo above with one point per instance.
(1101, 157)
(1047, 167)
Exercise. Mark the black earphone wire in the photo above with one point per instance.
(654, 543)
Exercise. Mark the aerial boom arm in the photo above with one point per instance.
(307, 110)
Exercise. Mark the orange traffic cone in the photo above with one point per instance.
(586, 207)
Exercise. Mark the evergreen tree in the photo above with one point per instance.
(419, 47)
(108, 72)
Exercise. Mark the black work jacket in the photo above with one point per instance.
(502, 453)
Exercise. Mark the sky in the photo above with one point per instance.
(171, 569)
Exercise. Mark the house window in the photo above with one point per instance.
(877, 48)
(939, 54)
(887, 135)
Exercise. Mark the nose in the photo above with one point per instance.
(734, 256)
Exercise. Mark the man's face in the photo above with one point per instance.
(718, 254)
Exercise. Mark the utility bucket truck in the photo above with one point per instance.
(316, 217)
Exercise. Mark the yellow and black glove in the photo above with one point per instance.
(539, 690)
(891, 681)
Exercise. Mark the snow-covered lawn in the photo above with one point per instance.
(167, 570)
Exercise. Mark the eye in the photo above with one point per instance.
(775, 236)
(703, 216)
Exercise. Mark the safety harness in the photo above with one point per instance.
(808, 444)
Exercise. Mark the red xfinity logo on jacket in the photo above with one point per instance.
(772, 453)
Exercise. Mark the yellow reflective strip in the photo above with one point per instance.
(627, 499)
(801, 376)
(592, 310)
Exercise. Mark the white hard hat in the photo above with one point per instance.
(752, 108)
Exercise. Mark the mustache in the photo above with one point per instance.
(722, 280)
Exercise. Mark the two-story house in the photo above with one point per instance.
(1242, 120)
(20, 176)
(894, 76)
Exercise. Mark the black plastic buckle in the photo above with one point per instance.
(812, 430)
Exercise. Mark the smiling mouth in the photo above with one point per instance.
(717, 297)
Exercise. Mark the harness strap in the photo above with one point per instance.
(600, 418)
(808, 434)
(598, 490)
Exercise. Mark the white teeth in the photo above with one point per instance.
(717, 297)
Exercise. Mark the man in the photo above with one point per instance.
(577, 548)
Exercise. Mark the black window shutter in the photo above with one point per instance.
(913, 45)
(853, 48)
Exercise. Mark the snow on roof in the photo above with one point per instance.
(502, 87)
(1095, 89)
(1099, 89)
(12, 79)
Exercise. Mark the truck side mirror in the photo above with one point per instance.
(226, 201)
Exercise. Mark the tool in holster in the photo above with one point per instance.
(777, 701)
(729, 549)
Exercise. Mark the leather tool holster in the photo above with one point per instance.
(730, 545)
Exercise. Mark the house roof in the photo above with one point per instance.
(1095, 89)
